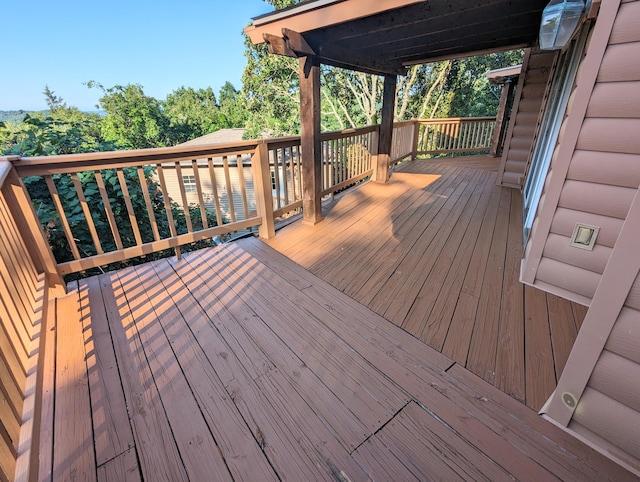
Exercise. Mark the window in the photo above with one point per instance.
(189, 183)
(549, 129)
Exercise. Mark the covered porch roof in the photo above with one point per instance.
(386, 36)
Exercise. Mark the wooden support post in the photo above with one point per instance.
(381, 169)
(262, 185)
(310, 140)
(416, 138)
(502, 118)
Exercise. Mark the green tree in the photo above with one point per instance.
(63, 130)
(133, 120)
(233, 112)
(191, 113)
(469, 93)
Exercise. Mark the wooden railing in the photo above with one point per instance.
(455, 136)
(102, 208)
(347, 157)
(403, 144)
(106, 207)
(24, 293)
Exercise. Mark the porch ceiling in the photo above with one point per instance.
(392, 34)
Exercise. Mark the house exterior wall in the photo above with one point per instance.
(595, 169)
(536, 70)
(594, 179)
(237, 187)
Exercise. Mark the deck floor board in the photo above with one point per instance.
(441, 259)
(237, 362)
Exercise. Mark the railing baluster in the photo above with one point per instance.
(87, 213)
(127, 201)
(227, 178)
(147, 202)
(107, 209)
(167, 207)
(63, 217)
(183, 196)
(214, 189)
(243, 189)
(196, 176)
(275, 182)
(292, 175)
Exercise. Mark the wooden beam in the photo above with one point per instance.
(381, 170)
(278, 46)
(310, 139)
(303, 19)
(329, 53)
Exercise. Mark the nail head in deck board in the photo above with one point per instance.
(155, 445)
(112, 431)
(73, 457)
(197, 447)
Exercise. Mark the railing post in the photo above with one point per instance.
(416, 136)
(262, 186)
(381, 169)
(311, 144)
(28, 224)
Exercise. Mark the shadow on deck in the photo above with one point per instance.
(236, 363)
(437, 252)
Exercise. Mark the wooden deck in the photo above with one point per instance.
(236, 363)
(437, 252)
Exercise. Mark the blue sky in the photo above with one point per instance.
(160, 44)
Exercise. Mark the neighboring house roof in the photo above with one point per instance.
(505, 74)
(221, 136)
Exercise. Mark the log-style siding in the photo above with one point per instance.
(522, 126)
(594, 179)
(602, 174)
(609, 410)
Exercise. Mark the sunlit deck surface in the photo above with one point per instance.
(236, 363)
(437, 252)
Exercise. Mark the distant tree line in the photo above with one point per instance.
(131, 120)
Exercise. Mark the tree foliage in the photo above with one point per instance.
(450, 88)
(66, 130)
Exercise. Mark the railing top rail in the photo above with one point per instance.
(151, 156)
(454, 119)
(30, 166)
(5, 167)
